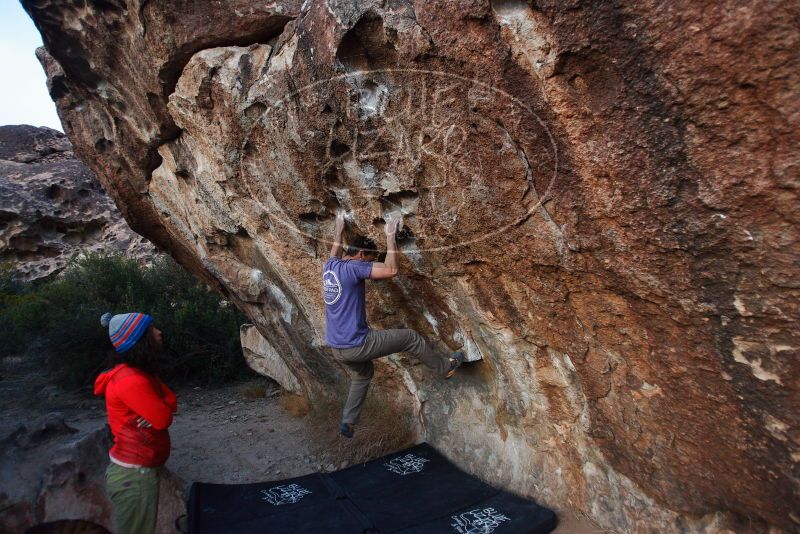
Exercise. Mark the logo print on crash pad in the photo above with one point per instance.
(284, 494)
(478, 521)
(331, 288)
(405, 465)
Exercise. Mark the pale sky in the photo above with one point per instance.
(23, 85)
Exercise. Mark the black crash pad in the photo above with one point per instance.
(412, 491)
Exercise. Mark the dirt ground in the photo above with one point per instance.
(238, 433)
(221, 435)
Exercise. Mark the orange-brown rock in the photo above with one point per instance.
(600, 201)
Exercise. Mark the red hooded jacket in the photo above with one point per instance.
(130, 394)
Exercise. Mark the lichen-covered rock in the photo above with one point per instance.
(599, 198)
(52, 207)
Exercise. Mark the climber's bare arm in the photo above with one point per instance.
(336, 248)
(390, 267)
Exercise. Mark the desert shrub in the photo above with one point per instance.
(8, 284)
(62, 318)
(19, 307)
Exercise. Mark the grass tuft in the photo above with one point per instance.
(296, 405)
(258, 390)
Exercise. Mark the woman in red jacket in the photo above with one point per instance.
(140, 408)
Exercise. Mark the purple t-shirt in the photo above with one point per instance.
(345, 307)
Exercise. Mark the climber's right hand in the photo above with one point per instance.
(339, 222)
(394, 222)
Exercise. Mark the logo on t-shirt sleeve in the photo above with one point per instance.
(331, 288)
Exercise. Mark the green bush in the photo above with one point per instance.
(62, 319)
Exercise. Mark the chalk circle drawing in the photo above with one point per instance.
(288, 494)
(406, 465)
(403, 140)
(478, 521)
(331, 288)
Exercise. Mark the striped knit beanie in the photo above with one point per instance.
(125, 329)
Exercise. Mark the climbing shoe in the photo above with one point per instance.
(346, 429)
(456, 359)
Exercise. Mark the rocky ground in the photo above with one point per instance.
(238, 433)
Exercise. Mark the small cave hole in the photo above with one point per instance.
(310, 217)
(405, 234)
(331, 178)
(255, 111)
(55, 192)
(366, 46)
(101, 145)
(339, 149)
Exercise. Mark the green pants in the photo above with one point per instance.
(134, 493)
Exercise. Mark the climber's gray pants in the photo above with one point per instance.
(358, 361)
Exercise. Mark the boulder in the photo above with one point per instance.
(599, 203)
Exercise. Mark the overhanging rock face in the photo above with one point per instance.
(600, 203)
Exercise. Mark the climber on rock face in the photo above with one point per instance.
(353, 343)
